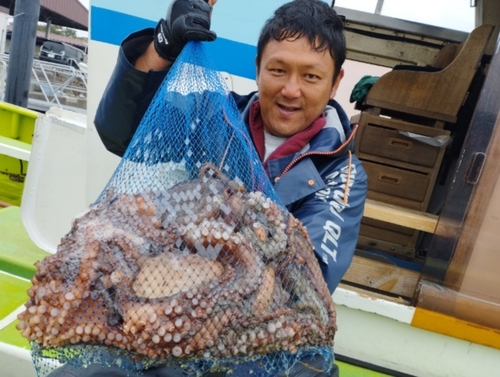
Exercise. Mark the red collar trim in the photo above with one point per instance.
(292, 145)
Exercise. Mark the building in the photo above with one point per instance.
(67, 13)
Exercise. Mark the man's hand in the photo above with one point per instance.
(187, 20)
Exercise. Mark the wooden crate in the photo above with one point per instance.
(401, 171)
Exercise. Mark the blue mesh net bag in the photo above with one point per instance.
(187, 258)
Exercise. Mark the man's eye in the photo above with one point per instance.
(311, 76)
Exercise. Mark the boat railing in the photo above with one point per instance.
(52, 85)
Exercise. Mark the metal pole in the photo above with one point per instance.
(22, 51)
(47, 30)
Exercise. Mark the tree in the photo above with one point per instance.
(59, 30)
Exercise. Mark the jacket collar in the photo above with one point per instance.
(292, 145)
(334, 134)
(335, 138)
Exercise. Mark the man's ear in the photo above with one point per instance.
(337, 83)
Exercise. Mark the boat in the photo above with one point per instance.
(421, 297)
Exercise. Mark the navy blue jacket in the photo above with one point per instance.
(324, 185)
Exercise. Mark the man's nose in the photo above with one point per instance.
(291, 88)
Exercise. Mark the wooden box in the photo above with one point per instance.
(401, 170)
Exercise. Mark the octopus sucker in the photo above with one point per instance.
(202, 269)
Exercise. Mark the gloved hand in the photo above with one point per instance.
(187, 20)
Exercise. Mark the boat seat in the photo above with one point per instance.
(61, 182)
(434, 95)
(55, 186)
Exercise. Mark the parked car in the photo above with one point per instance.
(62, 53)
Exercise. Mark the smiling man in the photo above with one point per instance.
(302, 135)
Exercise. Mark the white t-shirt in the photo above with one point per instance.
(271, 142)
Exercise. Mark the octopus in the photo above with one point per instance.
(202, 269)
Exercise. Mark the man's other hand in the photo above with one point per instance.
(187, 20)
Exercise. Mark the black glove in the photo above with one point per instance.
(187, 20)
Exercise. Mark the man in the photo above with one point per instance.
(301, 134)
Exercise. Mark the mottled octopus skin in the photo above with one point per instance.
(201, 269)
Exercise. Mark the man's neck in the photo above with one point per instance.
(271, 142)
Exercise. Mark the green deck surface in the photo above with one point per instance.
(349, 370)
(12, 336)
(13, 296)
(13, 293)
(17, 257)
(18, 253)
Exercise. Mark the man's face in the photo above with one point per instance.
(295, 83)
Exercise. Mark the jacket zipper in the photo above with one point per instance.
(290, 165)
(326, 154)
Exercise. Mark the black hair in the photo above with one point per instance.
(313, 19)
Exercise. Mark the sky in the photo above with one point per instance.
(425, 11)
(85, 3)
(79, 33)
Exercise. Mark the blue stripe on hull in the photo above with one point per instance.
(236, 20)
(121, 25)
(148, 9)
(228, 56)
(233, 57)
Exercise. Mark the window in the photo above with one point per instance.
(450, 14)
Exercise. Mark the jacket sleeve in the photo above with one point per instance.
(332, 224)
(127, 95)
